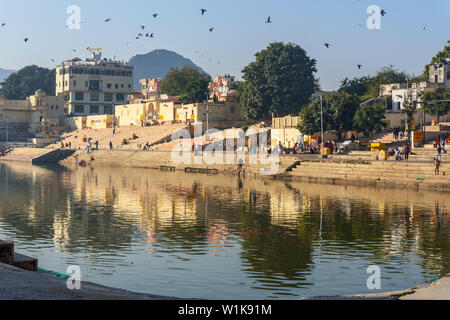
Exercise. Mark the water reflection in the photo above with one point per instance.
(221, 236)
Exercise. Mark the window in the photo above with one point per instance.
(94, 85)
(109, 86)
(120, 97)
(86, 84)
(116, 86)
(108, 97)
(74, 83)
(56, 107)
(94, 97)
(108, 109)
(448, 75)
(79, 96)
(129, 86)
(79, 109)
(121, 85)
(93, 109)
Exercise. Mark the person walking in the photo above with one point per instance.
(439, 152)
(437, 164)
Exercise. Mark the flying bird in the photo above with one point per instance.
(327, 45)
(3, 24)
(26, 39)
(53, 60)
(74, 50)
(383, 12)
(268, 20)
(203, 11)
(359, 66)
(149, 35)
(424, 28)
(155, 15)
(211, 29)
(108, 20)
(142, 27)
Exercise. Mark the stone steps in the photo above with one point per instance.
(9, 256)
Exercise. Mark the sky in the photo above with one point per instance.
(239, 32)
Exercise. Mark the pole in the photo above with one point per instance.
(321, 126)
(7, 134)
(207, 111)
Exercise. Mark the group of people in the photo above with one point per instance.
(402, 154)
(399, 134)
(68, 145)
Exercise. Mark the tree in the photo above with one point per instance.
(338, 111)
(409, 108)
(196, 91)
(356, 86)
(368, 87)
(440, 57)
(384, 76)
(369, 119)
(176, 81)
(440, 108)
(25, 82)
(280, 81)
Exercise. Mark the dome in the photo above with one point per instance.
(40, 93)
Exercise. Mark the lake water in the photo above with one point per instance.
(220, 237)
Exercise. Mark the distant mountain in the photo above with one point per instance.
(157, 63)
(5, 73)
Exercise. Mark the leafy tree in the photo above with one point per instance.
(437, 109)
(25, 82)
(176, 81)
(440, 57)
(409, 108)
(369, 119)
(356, 86)
(384, 76)
(196, 91)
(280, 81)
(338, 111)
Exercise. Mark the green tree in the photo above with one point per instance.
(440, 108)
(338, 111)
(440, 57)
(384, 76)
(356, 86)
(280, 81)
(25, 82)
(176, 81)
(196, 91)
(369, 119)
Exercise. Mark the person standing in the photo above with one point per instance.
(96, 145)
(110, 145)
(437, 164)
(439, 153)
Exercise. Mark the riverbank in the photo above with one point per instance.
(18, 284)
(434, 290)
(361, 168)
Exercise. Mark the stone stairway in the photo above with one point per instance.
(9, 256)
(378, 172)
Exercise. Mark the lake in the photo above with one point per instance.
(222, 237)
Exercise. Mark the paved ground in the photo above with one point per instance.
(438, 290)
(18, 284)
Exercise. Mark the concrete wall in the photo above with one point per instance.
(398, 119)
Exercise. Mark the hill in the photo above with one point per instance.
(157, 63)
(5, 73)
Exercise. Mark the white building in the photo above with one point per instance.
(94, 85)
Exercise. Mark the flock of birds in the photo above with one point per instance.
(143, 34)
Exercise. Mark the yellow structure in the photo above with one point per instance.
(377, 146)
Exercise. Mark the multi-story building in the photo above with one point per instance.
(93, 86)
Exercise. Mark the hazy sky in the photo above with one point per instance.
(240, 32)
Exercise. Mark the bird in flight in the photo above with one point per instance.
(359, 66)
(3, 24)
(26, 39)
(203, 11)
(155, 15)
(74, 50)
(424, 28)
(108, 20)
(211, 29)
(327, 45)
(142, 27)
(53, 60)
(268, 20)
(149, 35)
(383, 12)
